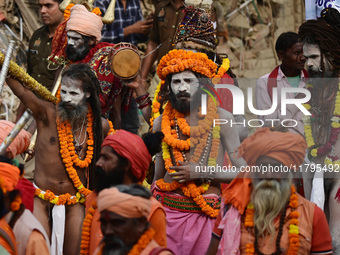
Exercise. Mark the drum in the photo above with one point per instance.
(125, 61)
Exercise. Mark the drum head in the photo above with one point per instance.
(126, 64)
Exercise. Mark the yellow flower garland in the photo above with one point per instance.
(189, 189)
(61, 199)
(329, 160)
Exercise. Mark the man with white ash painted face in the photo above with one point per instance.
(321, 50)
(67, 147)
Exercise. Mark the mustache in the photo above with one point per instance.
(183, 94)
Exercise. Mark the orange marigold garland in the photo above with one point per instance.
(189, 189)
(86, 230)
(111, 130)
(294, 241)
(61, 199)
(68, 154)
(15, 205)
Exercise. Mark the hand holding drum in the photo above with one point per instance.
(125, 61)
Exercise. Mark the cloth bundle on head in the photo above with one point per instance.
(123, 204)
(133, 148)
(180, 60)
(20, 143)
(9, 176)
(85, 22)
(286, 147)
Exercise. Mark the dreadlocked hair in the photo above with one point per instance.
(325, 33)
(84, 73)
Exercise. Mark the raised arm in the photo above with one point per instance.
(28, 98)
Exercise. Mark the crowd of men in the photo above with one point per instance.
(90, 191)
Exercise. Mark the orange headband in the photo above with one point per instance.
(123, 204)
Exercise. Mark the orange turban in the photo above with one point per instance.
(123, 204)
(20, 143)
(85, 22)
(288, 148)
(180, 60)
(133, 148)
(9, 176)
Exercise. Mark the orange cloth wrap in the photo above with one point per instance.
(85, 22)
(123, 204)
(10, 176)
(288, 148)
(133, 148)
(20, 143)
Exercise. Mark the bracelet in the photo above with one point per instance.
(141, 98)
(145, 105)
(144, 101)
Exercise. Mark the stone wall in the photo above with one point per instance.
(253, 33)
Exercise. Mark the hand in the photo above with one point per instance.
(29, 153)
(183, 172)
(142, 27)
(132, 84)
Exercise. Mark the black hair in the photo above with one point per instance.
(14, 162)
(324, 32)
(134, 190)
(153, 141)
(84, 73)
(285, 41)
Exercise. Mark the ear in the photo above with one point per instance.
(128, 166)
(87, 94)
(280, 55)
(92, 41)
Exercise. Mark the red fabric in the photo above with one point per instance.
(272, 81)
(59, 43)
(27, 190)
(133, 148)
(321, 240)
(225, 94)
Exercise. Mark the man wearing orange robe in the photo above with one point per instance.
(263, 213)
(124, 159)
(123, 216)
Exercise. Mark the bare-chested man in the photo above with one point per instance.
(67, 146)
(189, 214)
(322, 52)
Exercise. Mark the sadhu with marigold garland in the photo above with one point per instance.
(262, 213)
(67, 148)
(190, 137)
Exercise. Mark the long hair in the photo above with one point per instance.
(84, 73)
(269, 198)
(325, 33)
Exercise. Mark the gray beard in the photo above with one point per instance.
(75, 115)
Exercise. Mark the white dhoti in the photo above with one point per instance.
(58, 227)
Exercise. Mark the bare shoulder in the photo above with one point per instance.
(157, 124)
(106, 126)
